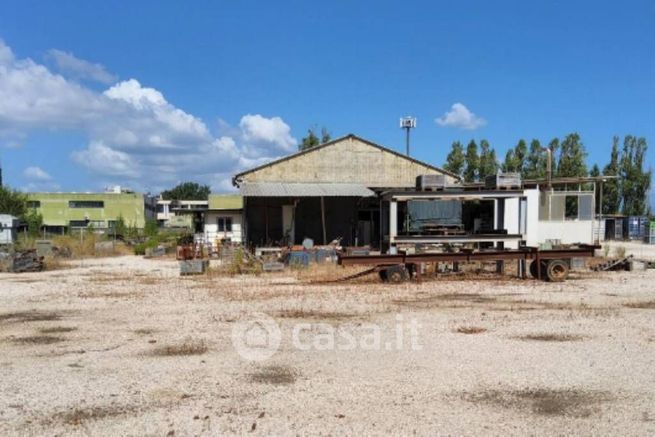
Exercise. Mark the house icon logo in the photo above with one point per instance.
(257, 338)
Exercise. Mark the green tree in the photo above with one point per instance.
(120, 228)
(611, 189)
(187, 191)
(151, 228)
(535, 162)
(595, 172)
(572, 157)
(34, 221)
(520, 155)
(313, 140)
(472, 162)
(12, 202)
(456, 160)
(488, 162)
(635, 181)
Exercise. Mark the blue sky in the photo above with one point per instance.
(146, 94)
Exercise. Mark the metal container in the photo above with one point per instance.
(193, 266)
(503, 180)
(432, 182)
(634, 227)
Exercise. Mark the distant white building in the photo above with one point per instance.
(178, 213)
(8, 229)
(224, 219)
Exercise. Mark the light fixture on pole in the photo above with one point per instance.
(407, 123)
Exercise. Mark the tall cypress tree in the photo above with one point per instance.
(456, 160)
(635, 181)
(471, 170)
(572, 157)
(611, 193)
(535, 162)
(488, 163)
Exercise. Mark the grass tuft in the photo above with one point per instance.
(187, 347)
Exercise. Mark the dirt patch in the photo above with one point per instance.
(313, 314)
(276, 375)
(647, 305)
(554, 337)
(188, 347)
(38, 339)
(544, 402)
(77, 416)
(470, 330)
(30, 316)
(57, 329)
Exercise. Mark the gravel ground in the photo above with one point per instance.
(125, 346)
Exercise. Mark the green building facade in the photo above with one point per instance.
(62, 211)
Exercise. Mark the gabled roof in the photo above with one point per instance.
(337, 140)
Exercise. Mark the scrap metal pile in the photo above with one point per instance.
(21, 261)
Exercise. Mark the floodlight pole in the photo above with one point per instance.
(407, 123)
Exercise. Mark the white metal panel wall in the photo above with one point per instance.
(532, 220)
(568, 231)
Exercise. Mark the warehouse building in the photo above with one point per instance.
(326, 192)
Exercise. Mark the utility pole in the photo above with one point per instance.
(407, 123)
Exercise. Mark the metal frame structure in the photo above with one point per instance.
(543, 261)
(393, 197)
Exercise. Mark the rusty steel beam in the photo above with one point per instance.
(528, 253)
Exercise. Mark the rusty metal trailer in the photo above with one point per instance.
(552, 264)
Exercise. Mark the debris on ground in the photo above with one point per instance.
(21, 261)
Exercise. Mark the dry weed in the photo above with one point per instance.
(77, 416)
(30, 316)
(313, 314)
(57, 329)
(276, 375)
(470, 330)
(38, 339)
(649, 305)
(187, 347)
(546, 402)
(555, 337)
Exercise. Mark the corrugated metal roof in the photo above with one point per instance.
(313, 189)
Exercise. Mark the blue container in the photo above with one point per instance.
(298, 258)
(636, 227)
(326, 255)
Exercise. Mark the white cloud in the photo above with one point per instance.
(107, 161)
(259, 130)
(135, 136)
(460, 117)
(36, 174)
(79, 68)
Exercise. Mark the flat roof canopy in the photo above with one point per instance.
(452, 195)
(313, 189)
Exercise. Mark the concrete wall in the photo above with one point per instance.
(56, 212)
(211, 226)
(349, 160)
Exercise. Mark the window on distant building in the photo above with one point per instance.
(225, 224)
(86, 204)
(34, 204)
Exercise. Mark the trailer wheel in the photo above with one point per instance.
(533, 269)
(557, 270)
(395, 274)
